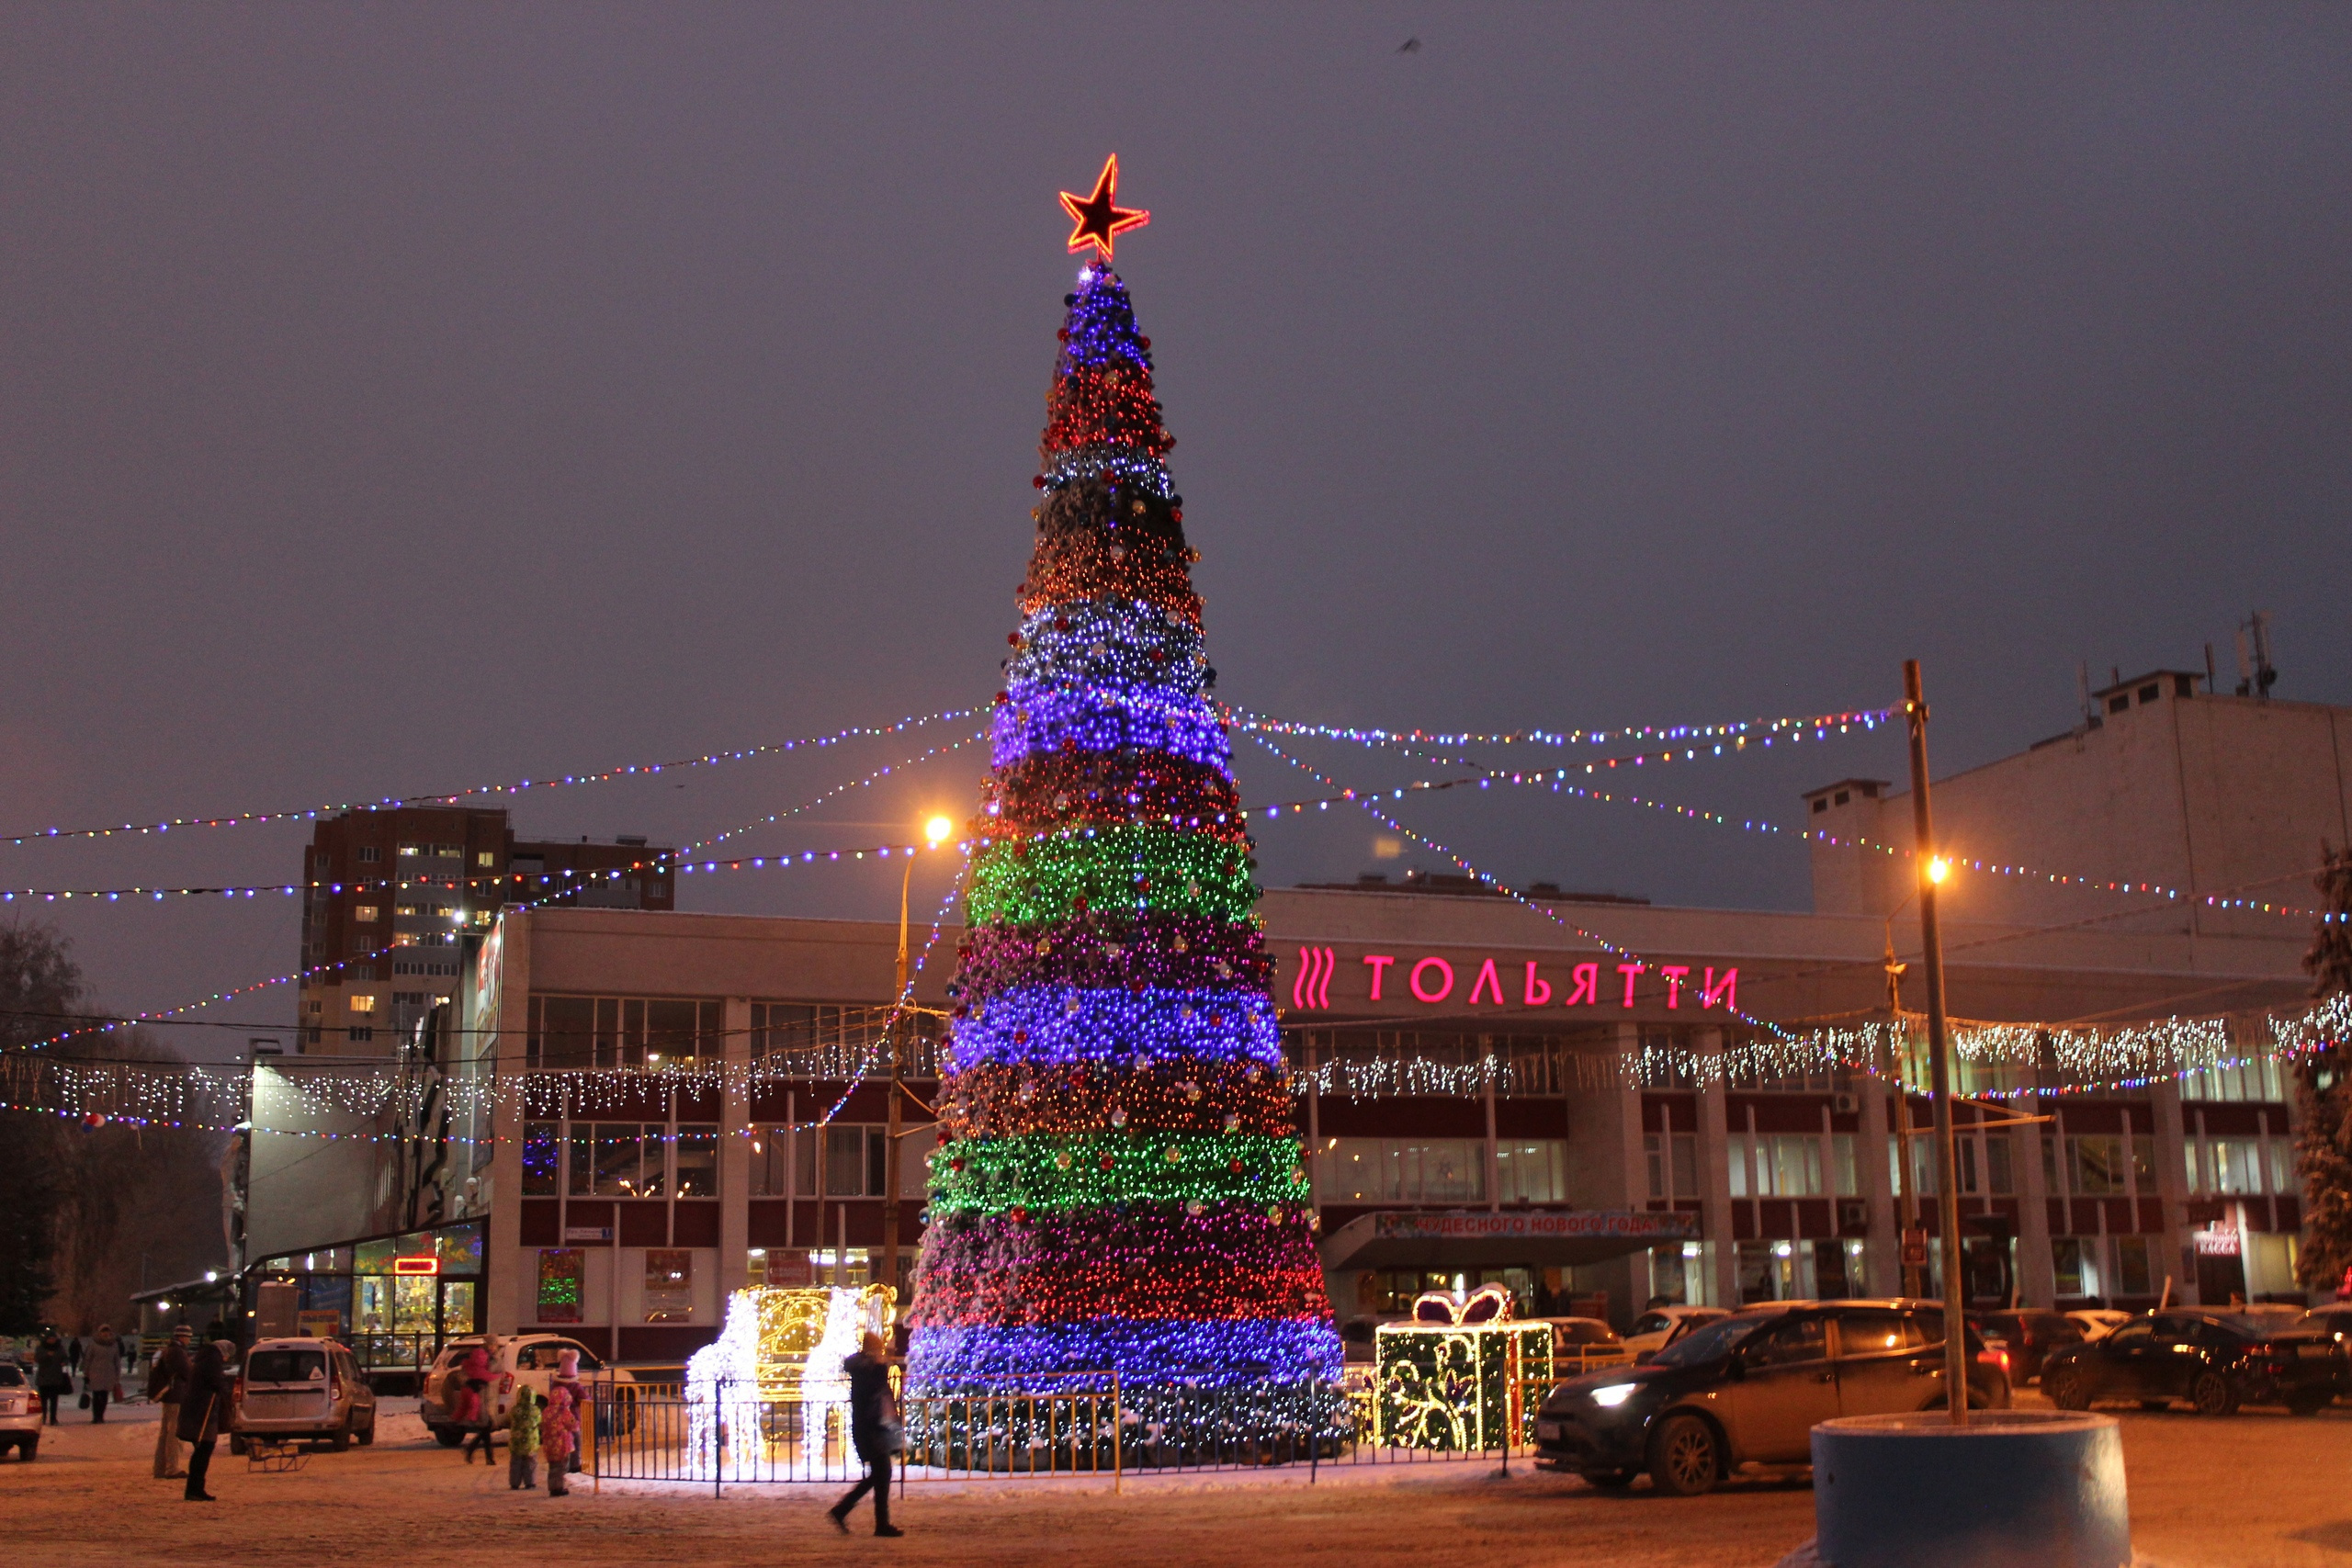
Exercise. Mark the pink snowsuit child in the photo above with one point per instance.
(559, 1437)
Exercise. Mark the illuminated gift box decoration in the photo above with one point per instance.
(1455, 1375)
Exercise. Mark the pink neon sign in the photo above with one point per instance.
(1432, 980)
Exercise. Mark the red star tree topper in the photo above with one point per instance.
(1100, 218)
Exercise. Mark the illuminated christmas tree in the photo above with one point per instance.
(1119, 1184)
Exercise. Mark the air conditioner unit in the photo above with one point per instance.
(1844, 1104)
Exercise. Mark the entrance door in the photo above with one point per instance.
(1788, 1389)
(2220, 1277)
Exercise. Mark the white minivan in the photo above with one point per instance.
(520, 1360)
(301, 1391)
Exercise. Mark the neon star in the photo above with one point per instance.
(1100, 218)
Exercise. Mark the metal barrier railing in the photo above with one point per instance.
(1070, 1424)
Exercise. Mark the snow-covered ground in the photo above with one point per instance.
(2255, 1489)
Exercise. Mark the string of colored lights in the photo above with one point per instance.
(517, 786)
(1737, 731)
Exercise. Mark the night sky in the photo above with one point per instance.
(399, 398)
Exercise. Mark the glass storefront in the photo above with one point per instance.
(394, 1298)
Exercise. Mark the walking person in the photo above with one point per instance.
(101, 1370)
(874, 1428)
(168, 1386)
(203, 1411)
(523, 1442)
(477, 1375)
(52, 1376)
(559, 1437)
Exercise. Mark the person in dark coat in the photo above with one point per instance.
(873, 1429)
(168, 1386)
(203, 1411)
(53, 1375)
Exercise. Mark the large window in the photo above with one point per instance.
(1682, 1150)
(841, 1159)
(632, 1159)
(2231, 1167)
(836, 1042)
(1532, 1172)
(621, 1031)
(1403, 1171)
(2256, 1080)
(2095, 1165)
(1788, 1164)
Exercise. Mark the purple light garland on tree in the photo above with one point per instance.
(1118, 1187)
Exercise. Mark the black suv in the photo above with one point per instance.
(1748, 1389)
(2216, 1360)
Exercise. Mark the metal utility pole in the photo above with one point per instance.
(897, 1072)
(1906, 1205)
(1931, 870)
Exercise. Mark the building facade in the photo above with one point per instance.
(391, 896)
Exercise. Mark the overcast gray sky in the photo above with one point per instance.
(396, 397)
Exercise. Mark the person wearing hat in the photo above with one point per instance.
(204, 1410)
(168, 1386)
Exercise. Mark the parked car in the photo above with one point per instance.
(1661, 1326)
(19, 1412)
(521, 1360)
(301, 1390)
(2335, 1322)
(1750, 1387)
(2100, 1322)
(2215, 1360)
(1580, 1341)
(2029, 1335)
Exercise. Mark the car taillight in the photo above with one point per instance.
(505, 1385)
(237, 1392)
(1992, 1358)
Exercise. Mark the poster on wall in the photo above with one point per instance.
(669, 1285)
(562, 1278)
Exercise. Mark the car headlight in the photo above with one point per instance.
(1613, 1394)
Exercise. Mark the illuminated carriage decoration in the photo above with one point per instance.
(771, 1389)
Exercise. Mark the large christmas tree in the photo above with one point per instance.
(1119, 1186)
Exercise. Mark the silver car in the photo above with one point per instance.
(301, 1390)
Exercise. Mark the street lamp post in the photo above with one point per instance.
(936, 832)
(1933, 868)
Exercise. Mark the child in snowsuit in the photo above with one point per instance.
(559, 1435)
(523, 1443)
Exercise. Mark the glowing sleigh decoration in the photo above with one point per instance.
(769, 1397)
(1456, 1376)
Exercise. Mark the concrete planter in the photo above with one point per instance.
(2028, 1488)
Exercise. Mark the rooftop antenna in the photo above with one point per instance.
(2256, 675)
(2083, 692)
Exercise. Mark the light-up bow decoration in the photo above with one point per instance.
(1488, 1303)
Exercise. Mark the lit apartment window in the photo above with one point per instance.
(484, 858)
(404, 938)
(448, 851)
(363, 913)
(408, 850)
(363, 1004)
(405, 909)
